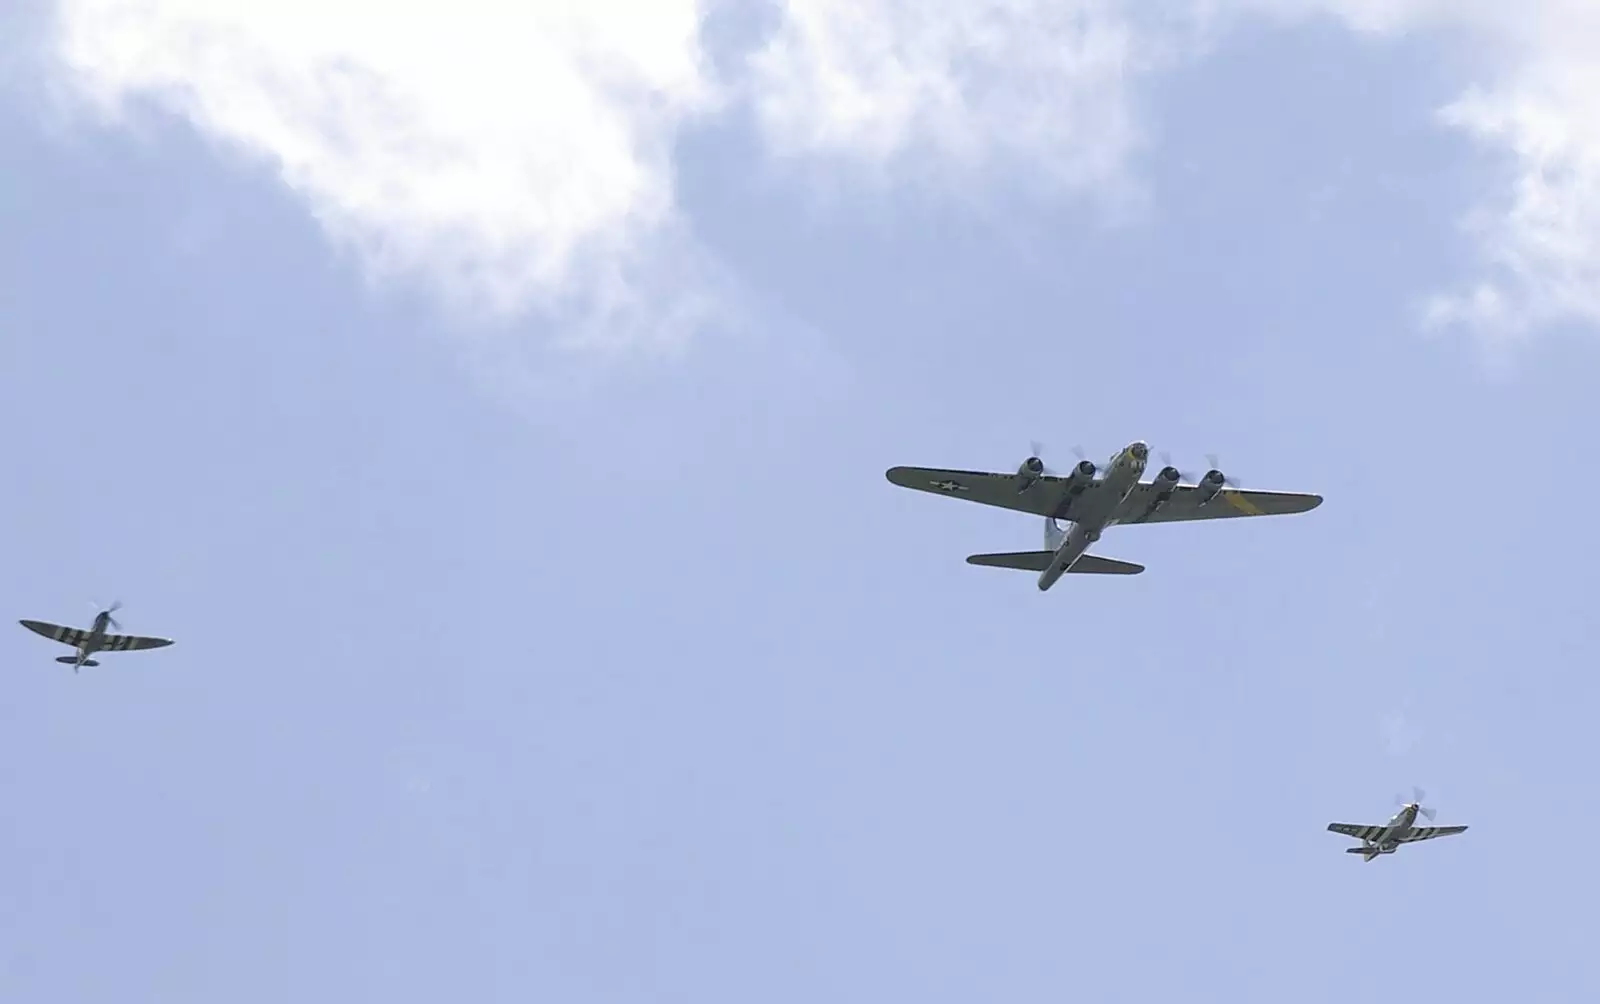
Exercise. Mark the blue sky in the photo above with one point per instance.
(546, 629)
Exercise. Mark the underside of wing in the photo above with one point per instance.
(1155, 503)
(1044, 496)
(1429, 832)
(131, 643)
(1038, 561)
(1356, 830)
(55, 632)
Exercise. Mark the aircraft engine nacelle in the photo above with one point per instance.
(1168, 478)
(1032, 470)
(1208, 487)
(1079, 478)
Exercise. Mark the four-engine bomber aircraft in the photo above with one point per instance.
(1091, 501)
(1400, 829)
(93, 640)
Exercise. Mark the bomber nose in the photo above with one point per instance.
(1140, 450)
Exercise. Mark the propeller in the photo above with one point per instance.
(1038, 454)
(1417, 796)
(1211, 458)
(1034, 467)
(1183, 475)
(108, 611)
(1193, 478)
(1083, 458)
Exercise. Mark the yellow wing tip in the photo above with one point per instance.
(1240, 500)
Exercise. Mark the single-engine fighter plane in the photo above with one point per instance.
(1400, 829)
(1090, 501)
(93, 640)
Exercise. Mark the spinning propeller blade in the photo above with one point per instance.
(1183, 475)
(1417, 795)
(1190, 477)
(108, 611)
(1038, 452)
(1211, 458)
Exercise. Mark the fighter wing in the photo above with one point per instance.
(1150, 503)
(55, 632)
(1429, 832)
(131, 643)
(1356, 830)
(1046, 496)
(108, 643)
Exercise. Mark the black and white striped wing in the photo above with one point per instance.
(1429, 832)
(55, 632)
(131, 643)
(108, 643)
(1356, 830)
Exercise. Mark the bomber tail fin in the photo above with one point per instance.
(1038, 561)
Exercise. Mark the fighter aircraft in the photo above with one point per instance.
(1091, 501)
(93, 640)
(1400, 829)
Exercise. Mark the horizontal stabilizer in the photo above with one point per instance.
(1038, 561)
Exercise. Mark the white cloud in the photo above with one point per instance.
(515, 151)
(519, 152)
(896, 84)
(1543, 236)
(907, 84)
(1538, 64)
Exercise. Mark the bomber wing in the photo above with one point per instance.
(1046, 496)
(1152, 503)
(1429, 832)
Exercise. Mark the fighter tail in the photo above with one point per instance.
(1367, 853)
(72, 660)
(1038, 561)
